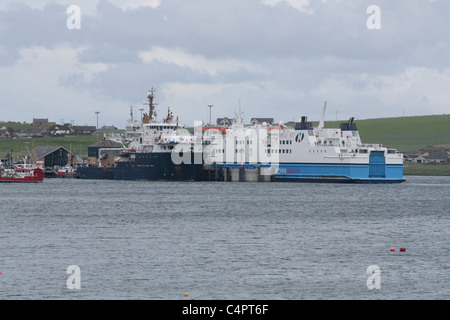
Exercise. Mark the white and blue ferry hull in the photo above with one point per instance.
(353, 173)
(341, 173)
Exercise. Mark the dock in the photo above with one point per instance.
(236, 174)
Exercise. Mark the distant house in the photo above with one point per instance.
(427, 155)
(40, 122)
(36, 132)
(414, 158)
(4, 133)
(108, 128)
(59, 132)
(437, 156)
(256, 121)
(84, 129)
(224, 121)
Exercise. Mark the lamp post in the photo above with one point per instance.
(210, 106)
(97, 112)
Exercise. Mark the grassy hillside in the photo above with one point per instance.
(418, 169)
(404, 134)
(77, 144)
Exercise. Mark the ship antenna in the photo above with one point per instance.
(323, 116)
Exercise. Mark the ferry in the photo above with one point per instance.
(146, 152)
(302, 153)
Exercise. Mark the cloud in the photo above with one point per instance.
(197, 62)
(281, 58)
(418, 90)
(136, 4)
(301, 5)
(51, 81)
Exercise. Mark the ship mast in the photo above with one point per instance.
(321, 123)
(151, 104)
(33, 157)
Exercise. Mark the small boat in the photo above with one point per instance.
(22, 174)
(67, 172)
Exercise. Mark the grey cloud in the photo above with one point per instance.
(305, 58)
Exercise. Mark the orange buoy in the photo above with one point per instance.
(186, 294)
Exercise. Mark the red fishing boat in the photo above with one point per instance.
(22, 174)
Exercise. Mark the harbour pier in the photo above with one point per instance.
(236, 173)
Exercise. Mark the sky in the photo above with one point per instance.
(282, 59)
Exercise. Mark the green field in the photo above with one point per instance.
(405, 133)
(77, 144)
(417, 169)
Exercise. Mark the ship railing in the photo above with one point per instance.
(371, 146)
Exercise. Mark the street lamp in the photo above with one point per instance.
(97, 112)
(210, 106)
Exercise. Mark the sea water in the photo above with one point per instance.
(224, 240)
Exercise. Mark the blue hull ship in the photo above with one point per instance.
(144, 166)
(142, 152)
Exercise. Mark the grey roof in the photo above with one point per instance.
(42, 151)
(84, 128)
(224, 120)
(105, 144)
(438, 155)
(261, 120)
